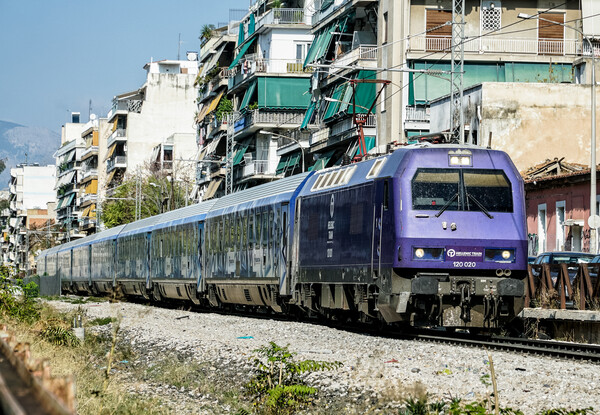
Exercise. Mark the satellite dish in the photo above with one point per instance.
(93, 117)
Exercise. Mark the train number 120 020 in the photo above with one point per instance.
(461, 264)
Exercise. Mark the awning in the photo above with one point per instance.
(308, 115)
(207, 109)
(212, 146)
(111, 151)
(92, 212)
(239, 155)
(213, 186)
(60, 202)
(92, 188)
(110, 176)
(66, 179)
(206, 68)
(283, 161)
(288, 162)
(364, 94)
(288, 93)
(325, 4)
(242, 51)
(251, 25)
(69, 200)
(320, 43)
(85, 212)
(241, 34)
(248, 95)
(334, 105)
(323, 160)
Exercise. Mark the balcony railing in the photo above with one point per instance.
(320, 135)
(491, 44)
(281, 119)
(361, 53)
(120, 134)
(252, 64)
(347, 124)
(88, 197)
(255, 167)
(417, 114)
(115, 162)
(89, 171)
(281, 16)
(91, 150)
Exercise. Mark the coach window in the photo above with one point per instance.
(250, 230)
(245, 231)
(265, 229)
(258, 230)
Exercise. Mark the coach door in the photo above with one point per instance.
(380, 200)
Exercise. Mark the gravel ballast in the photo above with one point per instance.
(374, 368)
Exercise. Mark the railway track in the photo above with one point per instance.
(26, 386)
(565, 350)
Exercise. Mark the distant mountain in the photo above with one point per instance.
(16, 140)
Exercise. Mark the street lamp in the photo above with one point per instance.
(593, 220)
(289, 138)
(161, 194)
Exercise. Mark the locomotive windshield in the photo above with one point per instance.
(482, 190)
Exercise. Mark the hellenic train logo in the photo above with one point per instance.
(451, 253)
(331, 206)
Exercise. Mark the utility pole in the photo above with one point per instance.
(457, 124)
(229, 153)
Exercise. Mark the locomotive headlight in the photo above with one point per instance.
(455, 161)
(429, 254)
(465, 161)
(460, 158)
(499, 255)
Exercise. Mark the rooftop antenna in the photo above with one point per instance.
(90, 110)
(178, 47)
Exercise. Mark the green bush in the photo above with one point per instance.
(276, 387)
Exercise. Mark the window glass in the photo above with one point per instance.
(432, 189)
(489, 189)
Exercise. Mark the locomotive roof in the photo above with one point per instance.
(278, 191)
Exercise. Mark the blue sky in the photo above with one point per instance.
(56, 55)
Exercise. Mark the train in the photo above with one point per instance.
(425, 236)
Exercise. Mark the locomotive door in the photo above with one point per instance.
(379, 205)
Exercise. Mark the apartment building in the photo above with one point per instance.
(345, 83)
(268, 93)
(69, 178)
(31, 190)
(160, 112)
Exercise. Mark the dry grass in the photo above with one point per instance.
(121, 391)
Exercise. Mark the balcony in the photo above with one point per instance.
(282, 16)
(120, 134)
(319, 136)
(89, 173)
(364, 55)
(87, 198)
(124, 106)
(116, 162)
(498, 45)
(254, 168)
(252, 65)
(89, 152)
(257, 119)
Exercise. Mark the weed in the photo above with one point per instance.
(102, 321)
(59, 335)
(276, 386)
(177, 372)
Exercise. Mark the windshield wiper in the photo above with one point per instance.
(483, 209)
(447, 205)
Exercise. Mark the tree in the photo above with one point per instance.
(206, 32)
(2, 165)
(160, 191)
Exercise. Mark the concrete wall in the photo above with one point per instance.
(532, 122)
(168, 108)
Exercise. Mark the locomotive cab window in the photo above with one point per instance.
(484, 190)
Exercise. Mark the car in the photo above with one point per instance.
(531, 259)
(572, 259)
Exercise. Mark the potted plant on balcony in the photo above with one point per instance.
(276, 5)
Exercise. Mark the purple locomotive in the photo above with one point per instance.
(428, 235)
